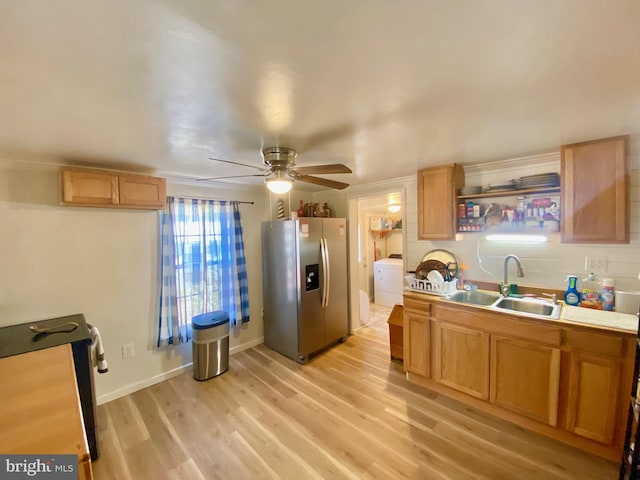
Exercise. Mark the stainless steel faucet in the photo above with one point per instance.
(505, 282)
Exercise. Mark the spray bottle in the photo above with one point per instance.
(571, 296)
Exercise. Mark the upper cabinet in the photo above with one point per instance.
(437, 187)
(142, 191)
(100, 188)
(595, 193)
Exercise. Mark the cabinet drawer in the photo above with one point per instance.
(593, 343)
(422, 307)
(501, 323)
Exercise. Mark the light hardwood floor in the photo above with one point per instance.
(348, 414)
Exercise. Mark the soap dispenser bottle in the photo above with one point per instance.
(591, 296)
(571, 296)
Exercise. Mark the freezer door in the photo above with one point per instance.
(336, 311)
(311, 327)
(280, 286)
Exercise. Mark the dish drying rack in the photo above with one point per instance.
(425, 286)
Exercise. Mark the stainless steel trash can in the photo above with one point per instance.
(210, 344)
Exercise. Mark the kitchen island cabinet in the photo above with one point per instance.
(437, 190)
(561, 379)
(40, 409)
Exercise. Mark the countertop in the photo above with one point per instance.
(598, 319)
(39, 406)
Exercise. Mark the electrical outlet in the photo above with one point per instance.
(128, 351)
(595, 264)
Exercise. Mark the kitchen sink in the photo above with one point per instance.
(529, 307)
(540, 308)
(473, 297)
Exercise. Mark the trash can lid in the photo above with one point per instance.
(209, 320)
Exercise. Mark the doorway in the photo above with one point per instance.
(376, 232)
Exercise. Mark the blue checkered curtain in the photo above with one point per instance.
(209, 264)
(170, 330)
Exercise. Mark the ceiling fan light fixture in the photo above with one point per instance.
(279, 184)
(394, 208)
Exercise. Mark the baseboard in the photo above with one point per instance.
(134, 387)
(245, 346)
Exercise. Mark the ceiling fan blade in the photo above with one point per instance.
(325, 182)
(238, 163)
(333, 168)
(234, 176)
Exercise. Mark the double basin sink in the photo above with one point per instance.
(530, 307)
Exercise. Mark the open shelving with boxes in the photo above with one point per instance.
(529, 210)
(382, 226)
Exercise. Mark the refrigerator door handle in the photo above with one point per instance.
(323, 254)
(328, 274)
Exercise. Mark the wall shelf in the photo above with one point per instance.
(384, 233)
(512, 193)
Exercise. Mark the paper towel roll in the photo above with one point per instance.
(627, 301)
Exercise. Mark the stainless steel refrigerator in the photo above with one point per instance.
(304, 269)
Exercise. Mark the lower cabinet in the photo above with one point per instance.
(461, 358)
(593, 400)
(416, 342)
(525, 378)
(567, 382)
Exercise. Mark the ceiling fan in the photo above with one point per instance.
(281, 170)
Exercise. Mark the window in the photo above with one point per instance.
(203, 265)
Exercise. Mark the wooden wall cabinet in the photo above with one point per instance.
(525, 378)
(100, 188)
(595, 191)
(437, 190)
(461, 358)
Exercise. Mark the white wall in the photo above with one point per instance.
(58, 261)
(544, 264)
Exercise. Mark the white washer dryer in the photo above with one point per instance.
(388, 281)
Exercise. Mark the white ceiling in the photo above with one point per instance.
(382, 86)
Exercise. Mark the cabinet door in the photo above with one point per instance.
(461, 358)
(525, 378)
(595, 193)
(592, 404)
(437, 189)
(416, 343)
(88, 187)
(141, 191)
